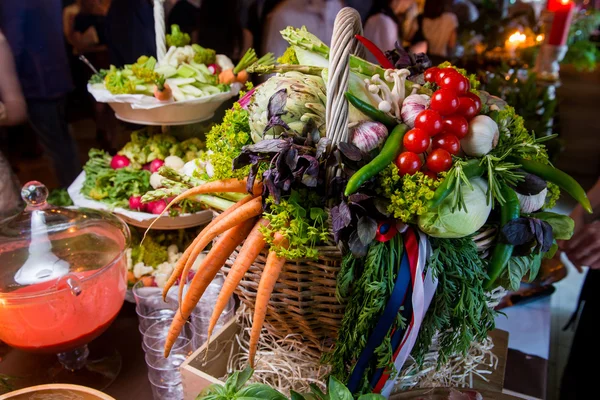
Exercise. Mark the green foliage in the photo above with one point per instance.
(519, 267)
(459, 309)
(235, 388)
(552, 196)
(583, 54)
(288, 57)
(301, 220)
(225, 141)
(373, 282)
(408, 194)
(59, 198)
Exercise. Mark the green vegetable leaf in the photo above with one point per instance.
(562, 225)
(318, 393)
(259, 391)
(367, 229)
(59, 198)
(296, 396)
(518, 267)
(337, 390)
(371, 396)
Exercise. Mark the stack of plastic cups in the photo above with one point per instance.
(155, 316)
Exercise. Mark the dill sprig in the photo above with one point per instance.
(459, 310)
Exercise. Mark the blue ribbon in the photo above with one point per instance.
(386, 321)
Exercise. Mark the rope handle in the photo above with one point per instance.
(159, 29)
(347, 24)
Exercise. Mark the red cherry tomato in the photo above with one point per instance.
(430, 121)
(456, 125)
(444, 101)
(408, 163)
(448, 142)
(431, 174)
(475, 98)
(467, 107)
(416, 140)
(431, 74)
(442, 73)
(439, 161)
(456, 82)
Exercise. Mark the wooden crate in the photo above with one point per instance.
(196, 376)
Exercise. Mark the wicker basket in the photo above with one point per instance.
(303, 301)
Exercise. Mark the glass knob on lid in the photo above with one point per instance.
(47, 248)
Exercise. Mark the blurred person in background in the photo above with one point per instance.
(390, 21)
(578, 381)
(465, 11)
(33, 29)
(439, 27)
(317, 15)
(130, 31)
(13, 110)
(213, 24)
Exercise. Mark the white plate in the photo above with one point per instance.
(136, 218)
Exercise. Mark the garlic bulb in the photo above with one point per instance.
(482, 136)
(174, 162)
(412, 106)
(532, 203)
(156, 180)
(368, 135)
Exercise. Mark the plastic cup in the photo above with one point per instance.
(165, 371)
(155, 338)
(145, 321)
(200, 322)
(149, 299)
(167, 392)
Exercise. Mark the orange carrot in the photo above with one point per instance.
(248, 253)
(182, 261)
(162, 91)
(228, 76)
(250, 210)
(211, 265)
(267, 283)
(226, 185)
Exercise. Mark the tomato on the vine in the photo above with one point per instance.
(448, 142)
(444, 101)
(442, 73)
(430, 121)
(416, 140)
(456, 82)
(431, 74)
(467, 107)
(456, 125)
(476, 99)
(439, 160)
(408, 163)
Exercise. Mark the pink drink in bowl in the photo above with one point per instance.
(62, 277)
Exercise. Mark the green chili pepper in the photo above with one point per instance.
(372, 112)
(388, 154)
(471, 169)
(503, 251)
(559, 178)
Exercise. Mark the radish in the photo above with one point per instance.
(135, 203)
(156, 164)
(118, 162)
(146, 167)
(157, 207)
(214, 69)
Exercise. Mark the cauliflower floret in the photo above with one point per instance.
(129, 262)
(163, 272)
(198, 261)
(173, 253)
(140, 270)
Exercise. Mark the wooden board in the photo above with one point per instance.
(495, 381)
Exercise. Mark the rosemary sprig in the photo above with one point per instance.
(499, 171)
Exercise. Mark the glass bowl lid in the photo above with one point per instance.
(45, 248)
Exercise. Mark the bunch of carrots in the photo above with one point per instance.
(240, 223)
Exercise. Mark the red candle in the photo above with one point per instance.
(563, 13)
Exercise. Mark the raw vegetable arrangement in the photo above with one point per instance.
(439, 197)
(130, 179)
(188, 71)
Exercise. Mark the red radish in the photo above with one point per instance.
(119, 161)
(214, 69)
(146, 167)
(135, 203)
(157, 207)
(155, 165)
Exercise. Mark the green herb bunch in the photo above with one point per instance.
(225, 141)
(372, 284)
(459, 310)
(408, 195)
(301, 220)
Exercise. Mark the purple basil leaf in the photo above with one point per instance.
(268, 146)
(277, 103)
(382, 206)
(309, 178)
(322, 146)
(350, 151)
(336, 186)
(518, 232)
(357, 247)
(338, 221)
(548, 239)
(366, 229)
(291, 158)
(251, 178)
(358, 197)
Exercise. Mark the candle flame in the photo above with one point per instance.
(565, 2)
(517, 38)
(539, 38)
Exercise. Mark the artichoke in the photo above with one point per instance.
(305, 101)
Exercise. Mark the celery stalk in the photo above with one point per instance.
(214, 202)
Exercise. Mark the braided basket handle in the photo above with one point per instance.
(347, 24)
(159, 29)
